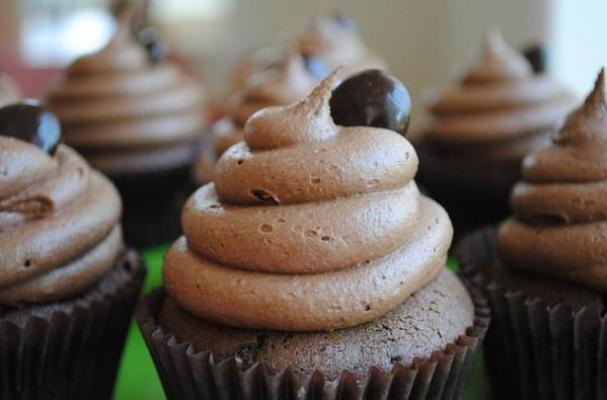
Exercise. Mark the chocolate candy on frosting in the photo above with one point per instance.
(537, 56)
(30, 122)
(561, 205)
(59, 223)
(150, 39)
(372, 98)
(345, 238)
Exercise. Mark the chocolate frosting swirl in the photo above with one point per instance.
(285, 83)
(308, 226)
(337, 45)
(124, 112)
(59, 224)
(561, 206)
(9, 92)
(500, 109)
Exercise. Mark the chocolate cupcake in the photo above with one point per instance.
(68, 286)
(256, 61)
(334, 38)
(285, 83)
(329, 40)
(311, 267)
(481, 129)
(9, 92)
(135, 117)
(545, 268)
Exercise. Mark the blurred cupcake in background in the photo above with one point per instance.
(68, 284)
(544, 268)
(287, 81)
(140, 10)
(481, 128)
(9, 91)
(256, 61)
(335, 39)
(136, 117)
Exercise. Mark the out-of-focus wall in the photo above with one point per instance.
(8, 23)
(423, 41)
(579, 41)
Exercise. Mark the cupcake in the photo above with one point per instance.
(335, 39)
(68, 286)
(9, 92)
(312, 267)
(545, 268)
(256, 61)
(136, 117)
(285, 83)
(482, 127)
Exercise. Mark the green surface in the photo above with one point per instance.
(137, 378)
(477, 388)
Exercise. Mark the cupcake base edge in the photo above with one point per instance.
(73, 350)
(186, 374)
(538, 346)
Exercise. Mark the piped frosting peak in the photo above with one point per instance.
(306, 121)
(121, 52)
(561, 205)
(281, 81)
(500, 111)
(284, 83)
(498, 61)
(124, 112)
(588, 123)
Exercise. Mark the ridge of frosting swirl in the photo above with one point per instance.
(499, 109)
(285, 83)
(308, 226)
(59, 224)
(116, 103)
(561, 206)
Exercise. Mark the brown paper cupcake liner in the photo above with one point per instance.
(474, 194)
(186, 374)
(70, 350)
(536, 348)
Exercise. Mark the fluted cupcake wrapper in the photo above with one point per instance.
(186, 374)
(536, 349)
(70, 354)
